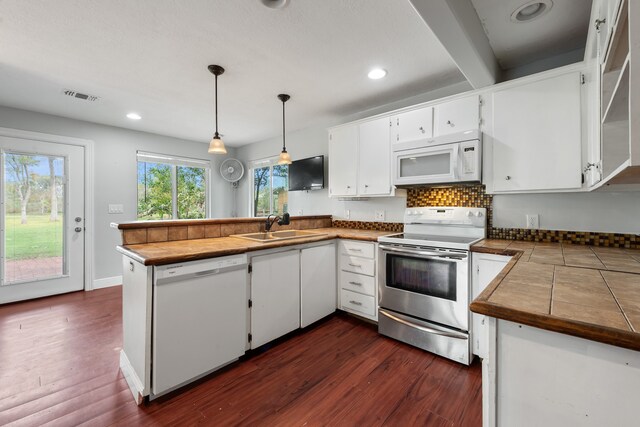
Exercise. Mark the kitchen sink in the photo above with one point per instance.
(277, 235)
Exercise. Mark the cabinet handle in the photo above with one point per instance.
(421, 129)
(450, 123)
(354, 250)
(366, 186)
(355, 283)
(355, 302)
(599, 22)
(355, 265)
(507, 178)
(348, 186)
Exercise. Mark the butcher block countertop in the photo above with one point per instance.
(586, 291)
(161, 253)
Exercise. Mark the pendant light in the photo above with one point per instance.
(285, 158)
(216, 146)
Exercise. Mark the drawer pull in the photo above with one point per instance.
(354, 249)
(355, 265)
(355, 283)
(355, 302)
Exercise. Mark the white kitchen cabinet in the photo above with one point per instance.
(343, 168)
(360, 160)
(413, 125)
(485, 267)
(374, 158)
(317, 283)
(357, 278)
(275, 296)
(455, 116)
(537, 135)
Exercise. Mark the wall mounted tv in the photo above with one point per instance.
(307, 174)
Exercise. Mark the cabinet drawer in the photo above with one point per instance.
(361, 249)
(357, 265)
(352, 301)
(358, 283)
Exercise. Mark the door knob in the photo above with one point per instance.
(78, 219)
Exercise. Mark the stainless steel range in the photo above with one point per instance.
(424, 279)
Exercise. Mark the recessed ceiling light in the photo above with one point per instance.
(531, 10)
(275, 4)
(377, 73)
(134, 116)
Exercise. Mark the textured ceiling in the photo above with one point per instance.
(564, 28)
(151, 57)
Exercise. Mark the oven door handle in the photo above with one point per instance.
(424, 253)
(424, 328)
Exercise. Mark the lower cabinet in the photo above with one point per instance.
(317, 283)
(485, 268)
(275, 296)
(357, 278)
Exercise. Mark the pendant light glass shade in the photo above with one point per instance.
(285, 158)
(216, 146)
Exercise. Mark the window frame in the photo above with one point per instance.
(174, 162)
(257, 164)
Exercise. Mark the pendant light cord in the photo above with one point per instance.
(216, 102)
(284, 146)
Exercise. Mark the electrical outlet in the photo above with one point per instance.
(116, 209)
(379, 215)
(347, 213)
(533, 221)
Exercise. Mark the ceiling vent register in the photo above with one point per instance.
(78, 95)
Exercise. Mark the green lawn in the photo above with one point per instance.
(38, 238)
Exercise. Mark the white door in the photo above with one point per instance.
(42, 219)
(374, 176)
(317, 283)
(414, 125)
(275, 296)
(343, 167)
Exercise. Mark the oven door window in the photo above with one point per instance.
(432, 277)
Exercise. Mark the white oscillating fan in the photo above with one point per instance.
(232, 170)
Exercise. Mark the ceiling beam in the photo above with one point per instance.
(456, 24)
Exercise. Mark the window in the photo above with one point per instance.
(172, 187)
(270, 188)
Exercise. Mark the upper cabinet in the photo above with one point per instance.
(536, 135)
(343, 171)
(359, 160)
(413, 125)
(620, 92)
(456, 116)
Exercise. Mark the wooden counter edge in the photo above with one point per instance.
(209, 221)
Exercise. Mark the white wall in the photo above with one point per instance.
(607, 212)
(115, 173)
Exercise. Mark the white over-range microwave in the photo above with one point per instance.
(447, 159)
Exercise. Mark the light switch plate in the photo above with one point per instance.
(116, 209)
(379, 215)
(533, 221)
(347, 213)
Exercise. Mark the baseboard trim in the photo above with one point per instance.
(107, 282)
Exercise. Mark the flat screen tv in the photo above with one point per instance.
(307, 174)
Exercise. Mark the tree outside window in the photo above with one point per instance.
(168, 189)
(270, 188)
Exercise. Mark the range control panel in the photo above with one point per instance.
(475, 217)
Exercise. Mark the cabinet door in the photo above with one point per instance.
(374, 160)
(343, 152)
(485, 268)
(317, 283)
(456, 116)
(275, 296)
(537, 135)
(413, 125)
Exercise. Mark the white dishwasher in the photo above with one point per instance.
(199, 319)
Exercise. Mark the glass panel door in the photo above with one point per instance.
(432, 277)
(34, 217)
(42, 225)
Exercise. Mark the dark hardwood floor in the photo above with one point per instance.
(59, 366)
